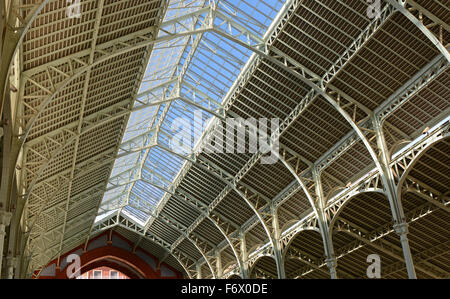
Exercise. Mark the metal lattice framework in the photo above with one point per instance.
(361, 148)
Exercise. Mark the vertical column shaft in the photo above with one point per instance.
(5, 218)
(276, 246)
(219, 269)
(402, 231)
(11, 266)
(332, 264)
(400, 225)
(199, 271)
(244, 257)
(324, 229)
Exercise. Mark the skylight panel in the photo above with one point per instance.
(181, 81)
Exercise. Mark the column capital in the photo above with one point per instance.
(401, 228)
(5, 217)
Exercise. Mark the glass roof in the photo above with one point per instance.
(184, 75)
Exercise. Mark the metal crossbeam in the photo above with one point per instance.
(370, 179)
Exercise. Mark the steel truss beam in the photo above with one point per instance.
(175, 91)
(370, 182)
(132, 42)
(312, 262)
(80, 124)
(105, 52)
(53, 185)
(223, 224)
(53, 236)
(228, 32)
(266, 251)
(184, 260)
(317, 203)
(391, 188)
(91, 64)
(427, 74)
(360, 235)
(420, 80)
(87, 65)
(199, 242)
(430, 72)
(20, 18)
(401, 165)
(58, 230)
(342, 61)
(79, 199)
(334, 100)
(303, 73)
(359, 42)
(373, 236)
(123, 48)
(338, 103)
(412, 6)
(367, 134)
(436, 41)
(15, 30)
(388, 11)
(421, 258)
(424, 191)
(337, 97)
(250, 196)
(181, 90)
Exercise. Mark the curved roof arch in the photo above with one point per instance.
(105, 101)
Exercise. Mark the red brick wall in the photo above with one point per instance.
(133, 265)
(105, 274)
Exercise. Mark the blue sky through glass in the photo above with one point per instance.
(143, 177)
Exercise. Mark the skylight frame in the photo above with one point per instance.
(159, 115)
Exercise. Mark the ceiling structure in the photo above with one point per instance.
(363, 107)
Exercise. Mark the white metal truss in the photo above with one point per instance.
(185, 261)
(403, 6)
(356, 104)
(59, 77)
(416, 85)
(369, 183)
(302, 73)
(180, 89)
